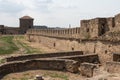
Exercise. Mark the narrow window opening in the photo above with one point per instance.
(87, 30)
(54, 44)
(72, 49)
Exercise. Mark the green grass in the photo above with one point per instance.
(2, 61)
(8, 45)
(28, 49)
(20, 78)
(24, 79)
(55, 75)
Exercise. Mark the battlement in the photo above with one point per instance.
(89, 29)
(61, 33)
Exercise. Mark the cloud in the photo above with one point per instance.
(6, 6)
(44, 1)
(56, 12)
(43, 6)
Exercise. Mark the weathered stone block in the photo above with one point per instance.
(87, 69)
(113, 67)
(72, 66)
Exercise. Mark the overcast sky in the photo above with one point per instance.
(56, 13)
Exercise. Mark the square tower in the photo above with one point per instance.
(26, 22)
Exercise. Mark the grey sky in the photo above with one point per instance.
(57, 13)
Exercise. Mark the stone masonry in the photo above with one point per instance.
(87, 38)
(95, 36)
(67, 61)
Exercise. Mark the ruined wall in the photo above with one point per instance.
(85, 29)
(87, 69)
(89, 29)
(50, 64)
(117, 21)
(110, 23)
(116, 57)
(90, 58)
(70, 62)
(94, 28)
(113, 67)
(47, 55)
(88, 38)
(103, 48)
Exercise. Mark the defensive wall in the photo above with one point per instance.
(103, 48)
(88, 38)
(114, 65)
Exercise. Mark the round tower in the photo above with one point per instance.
(26, 22)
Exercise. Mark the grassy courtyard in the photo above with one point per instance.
(15, 44)
(7, 46)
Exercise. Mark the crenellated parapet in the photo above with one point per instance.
(64, 33)
(89, 29)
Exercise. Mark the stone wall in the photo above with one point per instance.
(11, 30)
(89, 29)
(1, 29)
(113, 67)
(103, 48)
(47, 55)
(117, 21)
(87, 69)
(110, 23)
(89, 38)
(90, 58)
(49, 64)
(94, 28)
(116, 57)
(67, 61)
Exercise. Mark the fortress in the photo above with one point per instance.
(95, 43)
(95, 36)
(88, 29)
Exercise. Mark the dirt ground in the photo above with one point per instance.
(46, 74)
(40, 47)
(58, 75)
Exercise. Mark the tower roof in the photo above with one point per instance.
(26, 17)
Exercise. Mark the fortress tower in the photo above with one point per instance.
(26, 22)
